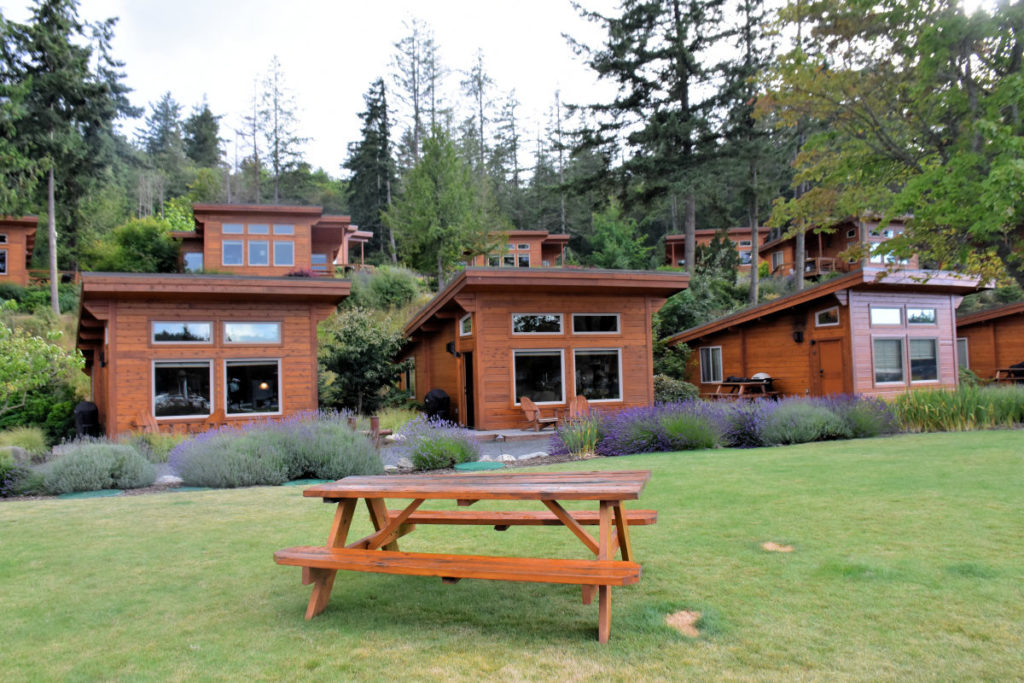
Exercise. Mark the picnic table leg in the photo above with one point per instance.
(604, 598)
(323, 579)
(379, 518)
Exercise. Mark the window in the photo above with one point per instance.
(924, 360)
(538, 375)
(710, 364)
(777, 257)
(523, 261)
(181, 388)
(193, 262)
(493, 261)
(536, 323)
(232, 229)
(744, 243)
(284, 253)
(3, 238)
(284, 229)
(745, 257)
(3, 262)
(252, 333)
(509, 261)
(851, 233)
(259, 253)
(886, 316)
(523, 247)
(259, 229)
(888, 360)
(231, 254)
(182, 332)
(595, 323)
(827, 318)
(597, 374)
(251, 387)
(466, 325)
(921, 316)
(319, 262)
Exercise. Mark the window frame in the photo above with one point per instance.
(291, 245)
(904, 375)
(253, 361)
(561, 325)
(463, 332)
(618, 322)
(283, 229)
(933, 321)
(179, 362)
(223, 252)
(872, 308)
(185, 258)
(520, 258)
(229, 228)
(711, 361)
(248, 253)
(965, 362)
(781, 259)
(152, 332)
(910, 369)
(228, 342)
(817, 320)
(604, 351)
(257, 228)
(561, 360)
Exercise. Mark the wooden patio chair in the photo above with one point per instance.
(579, 408)
(534, 417)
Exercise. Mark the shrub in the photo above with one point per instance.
(743, 422)
(154, 446)
(864, 417)
(670, 390)
(18, 480)
(93, 465)
(396, 417)
(688, 432)
(317, 445)
(12, 291)
(385, 288)
(966, 408)
(579, 438)
(32, 439)
(798, 421)
(437, 444)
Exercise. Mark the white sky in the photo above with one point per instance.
(331, 51)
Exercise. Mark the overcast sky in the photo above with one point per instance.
(331, 51)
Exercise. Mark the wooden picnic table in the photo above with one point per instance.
(378, 552)
(745, 389)
(1009, 375)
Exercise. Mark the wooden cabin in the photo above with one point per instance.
(675, 245)
(17, 240)
(527, 249)
(823, 250)
(183, 353)
(992, 340)
(266, 241)
(494, 335)
(867, 332)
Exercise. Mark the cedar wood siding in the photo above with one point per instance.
(435, 368)
(213, 237)
(17, 231)
(994, 341)
(123, 391)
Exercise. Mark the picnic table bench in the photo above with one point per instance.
(1009, 375)
(378, 552)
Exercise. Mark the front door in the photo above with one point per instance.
(830, 367)
(467, 383)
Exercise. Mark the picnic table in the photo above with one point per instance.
(1009, 375)
(378, 552)
(753, 388)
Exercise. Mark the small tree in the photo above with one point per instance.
(142, 245)
(616, 242)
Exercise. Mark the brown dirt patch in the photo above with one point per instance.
(773, 547)
(684, 621)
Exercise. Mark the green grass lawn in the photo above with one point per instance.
(907, 564)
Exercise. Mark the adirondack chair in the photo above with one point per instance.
(579, 408)
(534, 417)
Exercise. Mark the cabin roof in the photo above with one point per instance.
(553, 281)
(929, 281)
(712, 231)
(991, 314)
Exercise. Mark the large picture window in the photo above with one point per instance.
(252, 387)
(193, 261)
(3, 262)
(536, 323)
(595, 323)
(888, 360)
(924, 360)
(284, 254)
(181, 388)
(259, 253)
(182, 332)
(231, 254)
(252, 333)
(538, 375)
(710, 364)
(597, 374)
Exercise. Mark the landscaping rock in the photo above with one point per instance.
(537, 454)
(168, 480)
(505, 457)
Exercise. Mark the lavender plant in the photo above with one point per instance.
(432, 444)
(95, 465)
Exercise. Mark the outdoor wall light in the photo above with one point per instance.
(450, 348)
(798, 336)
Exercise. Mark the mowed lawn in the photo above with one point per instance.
(908, 562)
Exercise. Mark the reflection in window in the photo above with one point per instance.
(536, 323)
(493, 261)
(509, 261)
(597, 374)
(745, 257)
(259, 253)
(284, 254)
(193, 262)
(924, 360)
(259, 229)
(710, 364)
(232, 229)
(466, 325)
(827, 318)
(231, 253)
(595, 323)
(252, 387)
(284, 229)
(539, 376)
(182, 332)
(886, 316)
(252, 333)
(3, 261)
(181, 389)
(888, 360)
(921, 316)
(523, 261)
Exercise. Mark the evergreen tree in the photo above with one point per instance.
(278, 123)
(202, 136)
(476, 86)
(412, 54)
(161, 140)
(372, 167)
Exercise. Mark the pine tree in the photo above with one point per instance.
(202, 136)
(278, 123)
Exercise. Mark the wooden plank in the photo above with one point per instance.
(519, 517)
(542, 570)
(567, 519)
(622, 531)
(390, 532)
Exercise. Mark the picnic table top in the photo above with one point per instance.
(614, 485)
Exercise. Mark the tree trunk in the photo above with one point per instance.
(52, 232)
(752, 222)
(690, 230)
(391, 231)
(800, 255)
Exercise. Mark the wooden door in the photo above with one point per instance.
(831, 370)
